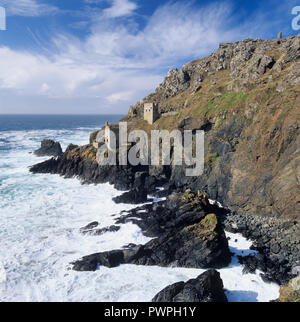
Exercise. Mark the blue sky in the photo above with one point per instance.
(101, 56)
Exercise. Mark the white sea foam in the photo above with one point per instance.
(40, 218)
(2, 274)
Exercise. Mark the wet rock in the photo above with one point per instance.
(201, 245)
(134, 196)
(49, 148)
(207, 287)
(188, 235)
(168, 216)
(81, 162)
(108, 259)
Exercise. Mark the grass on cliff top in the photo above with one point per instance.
(229, 101)
(214, 101)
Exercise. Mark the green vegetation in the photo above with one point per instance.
(206, 227)
(209, 222)
(223, 103)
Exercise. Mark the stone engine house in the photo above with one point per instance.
(150, 112)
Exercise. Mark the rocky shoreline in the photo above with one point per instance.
(190, 237)
(275, 239)
(176, 223)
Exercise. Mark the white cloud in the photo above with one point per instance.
(28, 8)
(119, 97)
(120, 8)
(118, 63)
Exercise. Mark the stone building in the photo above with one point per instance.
(108, 131)
(150, 112)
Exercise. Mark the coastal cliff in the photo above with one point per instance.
(245, 96)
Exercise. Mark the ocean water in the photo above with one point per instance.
(40, 218)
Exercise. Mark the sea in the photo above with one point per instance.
(41, 216)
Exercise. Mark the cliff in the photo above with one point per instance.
(245, 96)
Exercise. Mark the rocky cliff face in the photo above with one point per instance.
(246, 97)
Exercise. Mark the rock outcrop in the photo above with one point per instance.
(189, 236)
(49, 148)
(80, 162)
(134, 196)
(201, 245)
(207, 287)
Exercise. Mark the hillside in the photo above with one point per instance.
(246, 96)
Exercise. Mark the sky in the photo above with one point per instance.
(101, 56)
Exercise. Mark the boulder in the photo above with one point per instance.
(207, 287)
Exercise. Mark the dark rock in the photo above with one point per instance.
(108, 259)
(139, 180)
(207, 287)
(188, 236)
(167, 216)
(278, 254)
(49, 166)
(49, 148)
(198, 247)
(275, 248)
(135, 196)
(201, 245)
